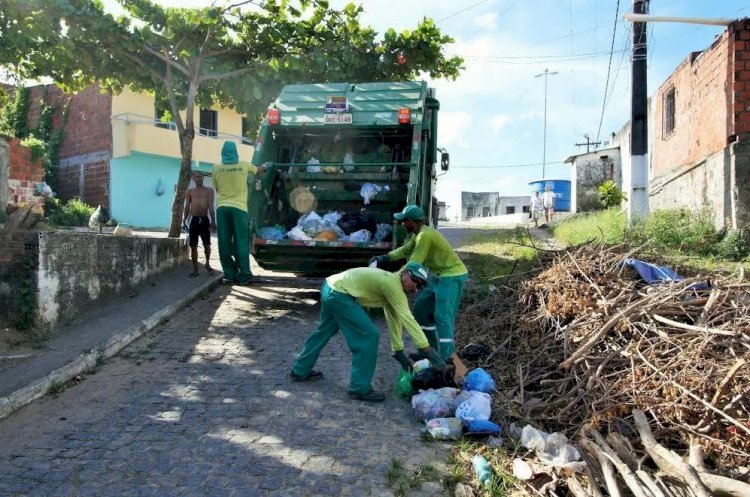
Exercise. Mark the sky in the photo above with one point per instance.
(492, 117)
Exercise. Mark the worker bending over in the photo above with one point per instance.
(343, 298)
(437, 305)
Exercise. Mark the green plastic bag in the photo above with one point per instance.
(403, 384)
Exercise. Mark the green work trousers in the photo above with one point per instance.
(234, 243)
(339, 311)
(436, 308)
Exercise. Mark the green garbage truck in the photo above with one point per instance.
(341, 159)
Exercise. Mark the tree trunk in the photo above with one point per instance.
(183, 180)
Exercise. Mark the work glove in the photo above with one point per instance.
(379, 260)
(436, 361)
(403, 360)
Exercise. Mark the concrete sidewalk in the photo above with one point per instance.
(84, 343)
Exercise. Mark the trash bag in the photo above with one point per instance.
(383, 231)
(368, 191)
(421, 365)
(355, 221)
(326, 236)
(296, 233)
(360, 236)
(481, 428)
(348, 162)
(445, 428)
(432, 404)
(552, 449)
(479, 406)
(432, 378)
(332, 217)
(474, 352)
(313, 165)
(479, 380)
(403, 384)
(272, 233)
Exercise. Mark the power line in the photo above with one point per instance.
(559, 56)
(609, 69)
(462, 11)
(509, 166)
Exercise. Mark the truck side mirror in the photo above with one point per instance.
(445, 161)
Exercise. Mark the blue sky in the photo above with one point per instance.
(493, 115)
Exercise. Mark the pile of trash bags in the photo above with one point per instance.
(450, 412)
(331, 227)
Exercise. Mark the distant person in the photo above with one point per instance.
(537, 207)
(343, 298)
(548, 200)
(230, 181)
(437, 305)
(201, 219)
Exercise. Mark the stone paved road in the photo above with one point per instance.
(204, 406)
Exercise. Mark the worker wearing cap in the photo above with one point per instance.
(343, 298)
(437, 305)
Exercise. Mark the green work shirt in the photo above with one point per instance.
(373, 287)
(432, 250)
(230, 182)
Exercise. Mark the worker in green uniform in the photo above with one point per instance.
(232, 222)
(343, 297)
(437, 305)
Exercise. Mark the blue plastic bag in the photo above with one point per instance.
(479, 427)
(479, 380)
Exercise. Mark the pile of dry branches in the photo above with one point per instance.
(583, 343)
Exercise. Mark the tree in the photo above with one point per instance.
(237, 56)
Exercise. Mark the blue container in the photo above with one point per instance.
(561, 187)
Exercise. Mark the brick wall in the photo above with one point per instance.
(86, 149)
(15, 248)
(739, 71)
(701, 115)
(23, 174)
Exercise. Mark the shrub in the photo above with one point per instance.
(73, 213)
(38, 147)
(732, 247)
(604, 226)
(677, 229)
(610, 195)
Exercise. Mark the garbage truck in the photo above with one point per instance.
(341, 159)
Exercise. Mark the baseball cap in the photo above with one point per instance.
(418, 271)
(412, 212)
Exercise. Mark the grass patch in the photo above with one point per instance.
(501, 484)
(400, 480)
(57, 386)
(495, 254)
(603, 226)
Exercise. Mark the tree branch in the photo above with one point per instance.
(225, 75)
(167, 60)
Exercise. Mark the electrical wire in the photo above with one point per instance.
(609, 69)
(462, 11)
(507, 166)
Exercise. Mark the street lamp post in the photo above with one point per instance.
(546, 73)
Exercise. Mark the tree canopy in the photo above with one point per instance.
(238, 55)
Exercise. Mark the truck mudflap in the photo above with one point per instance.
(314, 256)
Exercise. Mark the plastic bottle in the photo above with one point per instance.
(482, 469)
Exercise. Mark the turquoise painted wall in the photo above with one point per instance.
(134, 181)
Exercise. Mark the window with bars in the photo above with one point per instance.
(669, 112)
(209, 120)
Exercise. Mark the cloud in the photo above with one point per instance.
(452, 127)
(498, 122)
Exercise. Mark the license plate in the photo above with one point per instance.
(337, 118)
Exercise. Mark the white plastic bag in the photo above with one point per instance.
(383, 231)
(552, 449)
(296, 233)
(360, 236)
(348, 161)
(479, 406)
(332, 217)
(430, 404)
(445, 428)
(313, 165)
(368, 191)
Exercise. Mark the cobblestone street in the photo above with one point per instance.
(204, 406)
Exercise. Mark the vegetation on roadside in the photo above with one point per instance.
(494, 254)
(681, 234)
(72, 213)
(401, 481)
(501, 484)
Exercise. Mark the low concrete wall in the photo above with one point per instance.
(76, 269)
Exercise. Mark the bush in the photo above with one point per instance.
(38, 147)
(73, 213)
(732, 247)
(677, 229)
(610, 195)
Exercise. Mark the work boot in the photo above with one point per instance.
(371, 396)
(313, 375)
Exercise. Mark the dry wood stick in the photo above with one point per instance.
(690, 327)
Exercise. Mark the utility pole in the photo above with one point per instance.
(638, 188)
(588, 143)
(546, 73)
